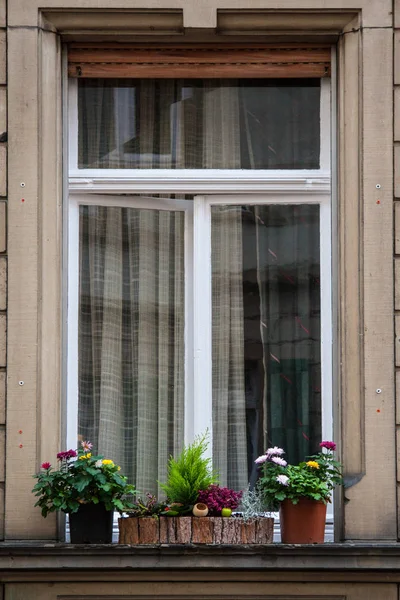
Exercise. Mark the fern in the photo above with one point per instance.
(189, 473)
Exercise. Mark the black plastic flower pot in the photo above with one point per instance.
(92, 524)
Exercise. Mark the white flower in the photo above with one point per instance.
(283, 479)
(261, 459)
(275, 451)
(98, 464)
(278, 461)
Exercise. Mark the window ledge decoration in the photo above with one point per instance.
(195, 530)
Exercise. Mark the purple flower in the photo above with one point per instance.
(66, 455)
(275, 451)
(46, 465)
(283, 479)
(328, 445)
(217, 498)
(261, 459)
(278, 461)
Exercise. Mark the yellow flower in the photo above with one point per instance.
(109, 462)
(313, 464)
(85, 456)
(119, 468)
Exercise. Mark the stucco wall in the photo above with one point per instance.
(396, 149)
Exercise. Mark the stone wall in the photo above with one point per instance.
(3, 249)
(364, 402)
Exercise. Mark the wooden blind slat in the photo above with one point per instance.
(198, 61)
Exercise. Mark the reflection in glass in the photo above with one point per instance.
(199, 124)
(266, 335)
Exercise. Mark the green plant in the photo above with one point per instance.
(189, 473)
(314, 479)
(147, 508)
(176, 509)
(253, 503)
(81, 479)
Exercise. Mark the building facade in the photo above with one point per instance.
(363, 263)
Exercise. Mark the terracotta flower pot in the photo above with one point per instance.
(302, 523)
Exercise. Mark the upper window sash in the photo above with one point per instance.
(195, 180)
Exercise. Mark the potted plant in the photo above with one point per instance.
(189, 473)
(300, 491)
(197, 510)
(88, 488)
(220, 501)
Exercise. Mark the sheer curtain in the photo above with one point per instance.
(131, 355)
(131, 346)
(229, 402)
(222, 146)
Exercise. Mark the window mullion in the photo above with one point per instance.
(202, 376)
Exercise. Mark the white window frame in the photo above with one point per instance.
(210, 187)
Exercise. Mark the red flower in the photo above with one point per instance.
(46, 465)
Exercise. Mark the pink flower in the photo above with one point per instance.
(46, 465)
(328, 445)
(261, 459)
(87, 446)
(278, 461)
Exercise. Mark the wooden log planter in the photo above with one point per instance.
(195, 530)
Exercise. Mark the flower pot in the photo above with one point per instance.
(92, 524)
(302, 523)
(195, 530)
(200, 510)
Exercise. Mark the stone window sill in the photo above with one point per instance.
(344, 557)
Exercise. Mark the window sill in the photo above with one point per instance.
(347, 557)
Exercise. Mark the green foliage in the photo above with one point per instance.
(189, 473)
(176, 509)
(253, 503)
(88, 479)
(147, 508)
(314, 479)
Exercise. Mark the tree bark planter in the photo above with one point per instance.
(195, 530)
(302, 523)
(92, 524)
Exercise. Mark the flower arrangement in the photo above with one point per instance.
(217, 498)
(313, 479)
(81, 478)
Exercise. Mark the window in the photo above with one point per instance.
(199, 269)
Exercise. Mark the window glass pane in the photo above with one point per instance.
(199, 124)
(131, 337)
(266, 335)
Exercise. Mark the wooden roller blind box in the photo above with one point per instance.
(198, 61)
